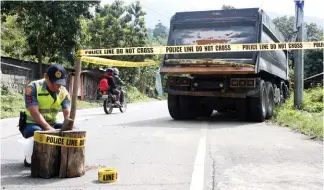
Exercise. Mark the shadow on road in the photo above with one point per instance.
(217, 120)
(15, 173)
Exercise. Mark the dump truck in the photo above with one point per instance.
(249, 83)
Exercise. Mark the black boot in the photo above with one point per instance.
(26, 164)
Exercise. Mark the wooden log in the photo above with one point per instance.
(68, 125)
(45, 158)
(76, 87)
(72, 158)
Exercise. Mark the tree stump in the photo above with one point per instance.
(72, 158)
(45, 158)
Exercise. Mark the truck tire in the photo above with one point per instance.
(286, 92)
(204, 112)
(241, 109)
(270, 100)
(188, 110)
(280, 98)
(222, 110)
(258, 105)
(174, 106)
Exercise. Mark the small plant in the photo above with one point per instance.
(308, 119)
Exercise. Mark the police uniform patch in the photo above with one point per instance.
(58, 74)
(29, 89)
(61, 96)
(29, 99)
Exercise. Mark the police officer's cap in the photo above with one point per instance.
(56, 74)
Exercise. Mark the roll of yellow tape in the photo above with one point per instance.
(107, 175)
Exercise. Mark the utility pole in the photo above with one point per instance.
(299, 54)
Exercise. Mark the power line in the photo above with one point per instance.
(314, 76)
(156, 12)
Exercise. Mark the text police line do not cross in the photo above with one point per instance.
(202, 48)
(58, 140)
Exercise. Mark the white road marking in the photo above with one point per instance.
(197, 179)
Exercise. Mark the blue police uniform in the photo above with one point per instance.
(31, 100)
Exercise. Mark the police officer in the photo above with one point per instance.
(44, 98)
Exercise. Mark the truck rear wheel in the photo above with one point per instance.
(174, 106)
(258, 105)
(241, 109)
(286, 93)
(181, 107)
(270, 100)
(188, 110)
(204, 111)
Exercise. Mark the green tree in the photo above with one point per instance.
(119, 25)
(313, 62)
(286, 25)
(13, 40)
(160, 30)
(51, 27)
(137, 36)
(314, 33)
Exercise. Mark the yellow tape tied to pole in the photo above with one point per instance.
(211, 48)
(107, 175)
(58, 141)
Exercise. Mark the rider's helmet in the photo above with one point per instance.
(116, 71)
(109, 72)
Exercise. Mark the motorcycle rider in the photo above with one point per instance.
(112, 85)
(119, 83)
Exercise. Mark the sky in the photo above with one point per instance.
(163, 9)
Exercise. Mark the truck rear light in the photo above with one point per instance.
(234, 82)
(171, 80)
(250, 82)
(179, 81)
(242, 82)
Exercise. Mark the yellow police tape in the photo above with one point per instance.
(106, 175)
(58, 141)
(117, 63)
(201, 48)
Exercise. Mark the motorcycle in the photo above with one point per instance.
(110, 102)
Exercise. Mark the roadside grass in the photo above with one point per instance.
(308, 119)
(12, 102)
(135, 96)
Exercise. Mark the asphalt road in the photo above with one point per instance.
(154, 152)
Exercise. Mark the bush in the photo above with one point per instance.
(134, 95)
(11, 103)
(308, 119)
